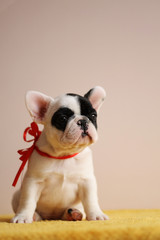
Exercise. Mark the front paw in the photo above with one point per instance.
(99, 215)
(19, 218)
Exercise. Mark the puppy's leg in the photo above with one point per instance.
(88, 196)
(72, 214)
(28, 198)
(15, 204)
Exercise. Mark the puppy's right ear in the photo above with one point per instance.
(37, 104)
(96, 96)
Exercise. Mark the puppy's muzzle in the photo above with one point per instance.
(83, 124)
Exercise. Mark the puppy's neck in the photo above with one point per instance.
(55, 149)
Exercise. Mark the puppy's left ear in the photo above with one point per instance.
(37, 104)
(96, 96)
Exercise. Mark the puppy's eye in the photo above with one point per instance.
(63, 118)
(94, 115)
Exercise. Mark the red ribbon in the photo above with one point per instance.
(26, 153)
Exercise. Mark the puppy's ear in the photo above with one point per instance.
(37, 104)
(96, 96)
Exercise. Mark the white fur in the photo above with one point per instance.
(51, 186)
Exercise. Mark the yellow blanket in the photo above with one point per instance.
(123, 224)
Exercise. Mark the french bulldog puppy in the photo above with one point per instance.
(61, 188)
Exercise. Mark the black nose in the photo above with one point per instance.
(83, 123)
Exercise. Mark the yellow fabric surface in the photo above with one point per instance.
(123, 224)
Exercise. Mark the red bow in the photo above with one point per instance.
(26, 153)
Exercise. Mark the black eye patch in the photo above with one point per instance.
(88, 111)
(61, 117)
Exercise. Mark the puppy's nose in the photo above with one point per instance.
(83, 123)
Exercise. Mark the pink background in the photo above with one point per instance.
(59, 46)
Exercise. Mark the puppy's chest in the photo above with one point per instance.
(58, 183)
(63, 174)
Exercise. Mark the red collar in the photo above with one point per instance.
(49, 156)
(26, 153)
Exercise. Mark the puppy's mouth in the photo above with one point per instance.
(78, 137)
(84, 134)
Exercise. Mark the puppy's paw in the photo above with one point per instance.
(19, 218)
(99, 215)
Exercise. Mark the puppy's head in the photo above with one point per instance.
(70, 121)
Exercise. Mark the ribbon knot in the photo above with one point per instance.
(26, 153)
